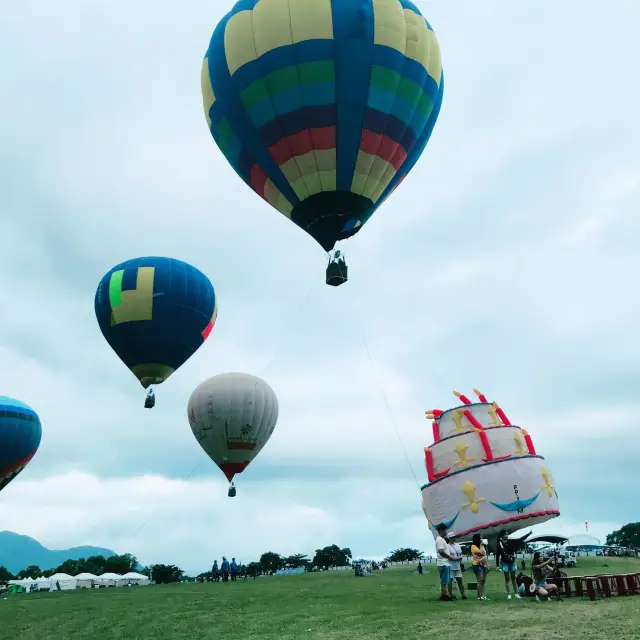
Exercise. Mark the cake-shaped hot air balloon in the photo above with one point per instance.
(484, 472)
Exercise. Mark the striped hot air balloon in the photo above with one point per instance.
(323, 107)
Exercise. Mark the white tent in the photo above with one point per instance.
(44, 584)
(136, 578)
(112, 580)
(86, 580)
(64, 580)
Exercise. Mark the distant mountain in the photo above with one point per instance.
(18, 552)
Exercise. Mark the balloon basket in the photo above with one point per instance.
(232, 491)
(337, 272)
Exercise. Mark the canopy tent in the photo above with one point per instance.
(112, 580)
(62, 582)
(86, 580)
(136, 578)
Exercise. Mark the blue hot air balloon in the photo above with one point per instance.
(155, 313)
(20, 435)
(323, 107)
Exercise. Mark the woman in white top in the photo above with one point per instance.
(455, 565)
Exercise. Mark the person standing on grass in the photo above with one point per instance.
(507, 564)
(443, 559)
(455, 565)
(225, 569)
(215, 571)
(234, 570)
(480, 564)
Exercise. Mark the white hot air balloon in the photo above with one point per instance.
(232, 416)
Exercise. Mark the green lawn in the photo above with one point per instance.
(396, 603)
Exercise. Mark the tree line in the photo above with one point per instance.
(269, 562)
(97, 565)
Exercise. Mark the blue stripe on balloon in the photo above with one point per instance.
(287, 102)
(227, 89)
(353, 32)
(392, 104)
(410, 69)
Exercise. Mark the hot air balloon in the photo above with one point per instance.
(155, 313)
(232, 416)
(20, 435)
(323, 107)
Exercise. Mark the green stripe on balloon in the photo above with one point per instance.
(115, 288)
(288, 78)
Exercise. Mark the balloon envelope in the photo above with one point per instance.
(323, 107)
(155, 313)
(232, 415)
(20, 435)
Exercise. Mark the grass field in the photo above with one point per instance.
(396, 603)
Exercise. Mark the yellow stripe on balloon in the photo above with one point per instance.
(390, 25)
(311, 20)
(137, 304)
(239, 43)
(273, 24)
(208, 96)
(328, 180)
(407, 32)
(284, 206)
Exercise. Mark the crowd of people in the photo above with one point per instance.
(449, 560)
(226, 571)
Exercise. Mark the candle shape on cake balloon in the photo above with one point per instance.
(462, 398)
(472, 419)
(529, 442)
(480, 395)
(428, 459)
(501, 413)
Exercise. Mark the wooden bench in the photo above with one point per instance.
(603, 585)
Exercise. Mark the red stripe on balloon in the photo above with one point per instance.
(231, 468)
(258, 179)
(241, 446)
(302, 143)
(207, 331)
(385, 148)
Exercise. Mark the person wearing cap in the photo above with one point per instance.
(443, 559)
(455, 565)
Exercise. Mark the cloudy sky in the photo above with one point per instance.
(507, 261)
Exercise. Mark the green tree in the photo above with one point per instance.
(332, 556)
(96, 565)
(627, 536)
(71, 567)
(121, 564)
(271, 561)
(166, 573)
(6, 575)
(404, 555)
(296, 561)
(32, 571)
(254, 569)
